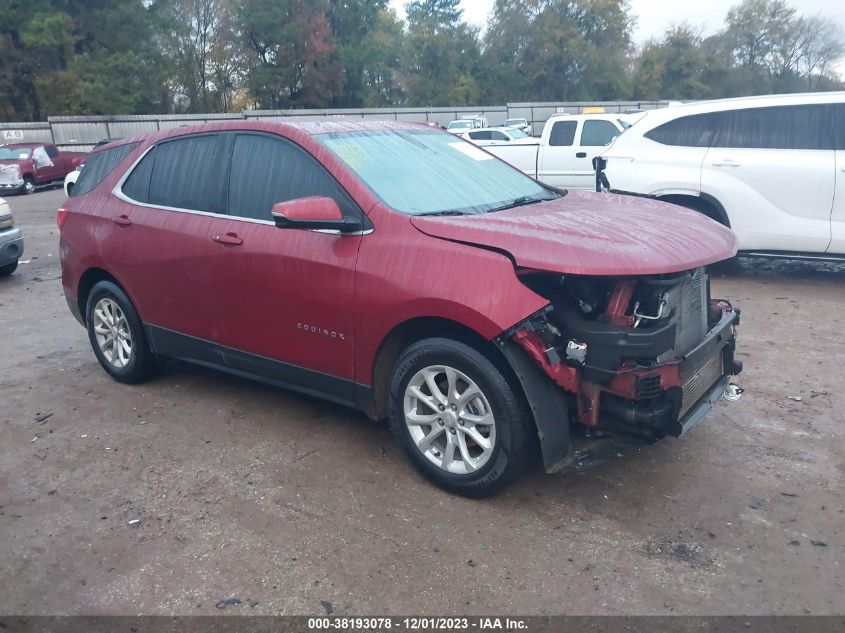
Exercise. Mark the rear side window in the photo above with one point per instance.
(99, 165)
(597, 133)
(266, 170)
(563, 133)
(697, 130)
(186, 173)
(783, 127)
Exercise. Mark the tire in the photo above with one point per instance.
(28, 186)
(475, 470)
(113, 325)
(69, 189)
(8, 269)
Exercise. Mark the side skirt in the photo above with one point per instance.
(255, 367)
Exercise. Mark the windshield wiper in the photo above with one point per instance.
(518, 202)
(446, 212)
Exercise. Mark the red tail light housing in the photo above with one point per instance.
(61, 216)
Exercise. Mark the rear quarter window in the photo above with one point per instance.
(99, 165)
(697, 130)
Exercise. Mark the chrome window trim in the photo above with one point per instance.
(117, 192)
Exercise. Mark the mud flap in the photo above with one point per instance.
(548, 405)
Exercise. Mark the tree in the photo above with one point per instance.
(292, 52)
(441, 54)
(672, 68)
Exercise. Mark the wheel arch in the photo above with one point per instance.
(416, 329)
(703, 203)
(87, 281)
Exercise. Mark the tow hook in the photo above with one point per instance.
(733, 392)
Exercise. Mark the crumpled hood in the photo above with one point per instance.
(587, 233)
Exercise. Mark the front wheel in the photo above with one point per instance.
(117, 335)
(457, 417)
(28, 185)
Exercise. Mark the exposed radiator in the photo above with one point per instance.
(692, 312)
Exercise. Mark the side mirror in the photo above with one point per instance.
(314, 212)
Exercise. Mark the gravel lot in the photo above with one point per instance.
(294, 505)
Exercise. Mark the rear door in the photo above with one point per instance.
(285, 296)
(837, 218)
(157, 237)
(774, 171)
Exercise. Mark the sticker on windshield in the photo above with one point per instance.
(471, 150)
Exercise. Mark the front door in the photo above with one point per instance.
(285, 297)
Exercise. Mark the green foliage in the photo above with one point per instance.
(158, 56)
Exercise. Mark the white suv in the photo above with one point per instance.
(771, 168)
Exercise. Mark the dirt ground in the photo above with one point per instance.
(296, 506)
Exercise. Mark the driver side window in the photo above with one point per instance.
(266, 170)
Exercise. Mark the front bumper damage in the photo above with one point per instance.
(608, 377)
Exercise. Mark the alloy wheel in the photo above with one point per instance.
(111, 329)
(449, 419)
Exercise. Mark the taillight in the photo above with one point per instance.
(61, 216)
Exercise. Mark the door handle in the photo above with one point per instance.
(230, 239)
(122, 220)
(581, 155)
(725, 162)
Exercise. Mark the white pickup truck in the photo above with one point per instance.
(563, 155)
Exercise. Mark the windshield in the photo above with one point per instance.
(625, 125)
(420, 172)
(15, 153)
(510, 122)
(460, 125)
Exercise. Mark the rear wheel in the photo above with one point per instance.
(8, 269)
(457, 417)
(117, 335)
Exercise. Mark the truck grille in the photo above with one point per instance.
(692, 312)
(701, 382)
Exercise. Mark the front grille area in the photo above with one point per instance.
(701, 382)
(648, 387)
(692, 312)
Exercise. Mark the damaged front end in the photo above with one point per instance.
(646, 357)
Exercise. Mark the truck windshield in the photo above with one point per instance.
(15, 153)
(427, 173)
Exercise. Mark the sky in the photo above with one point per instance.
(654, 16)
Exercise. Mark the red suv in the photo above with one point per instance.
(400, 270)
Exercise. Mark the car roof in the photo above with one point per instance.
(308, 126)
(663, 115)
(497, 128)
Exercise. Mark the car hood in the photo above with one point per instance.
(586, 233)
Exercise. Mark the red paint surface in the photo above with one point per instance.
(587, 233)
(268, 294)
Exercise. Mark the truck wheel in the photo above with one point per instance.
(8, 269)
(117, 335)
(28, 185)
(457, 417)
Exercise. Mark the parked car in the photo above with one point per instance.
(519, 124)
(497, 136)
(71, 178)
(771, 168)
(11, 241)
(394, 268)
(562, 156)
(461, 125)
(25, 166)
